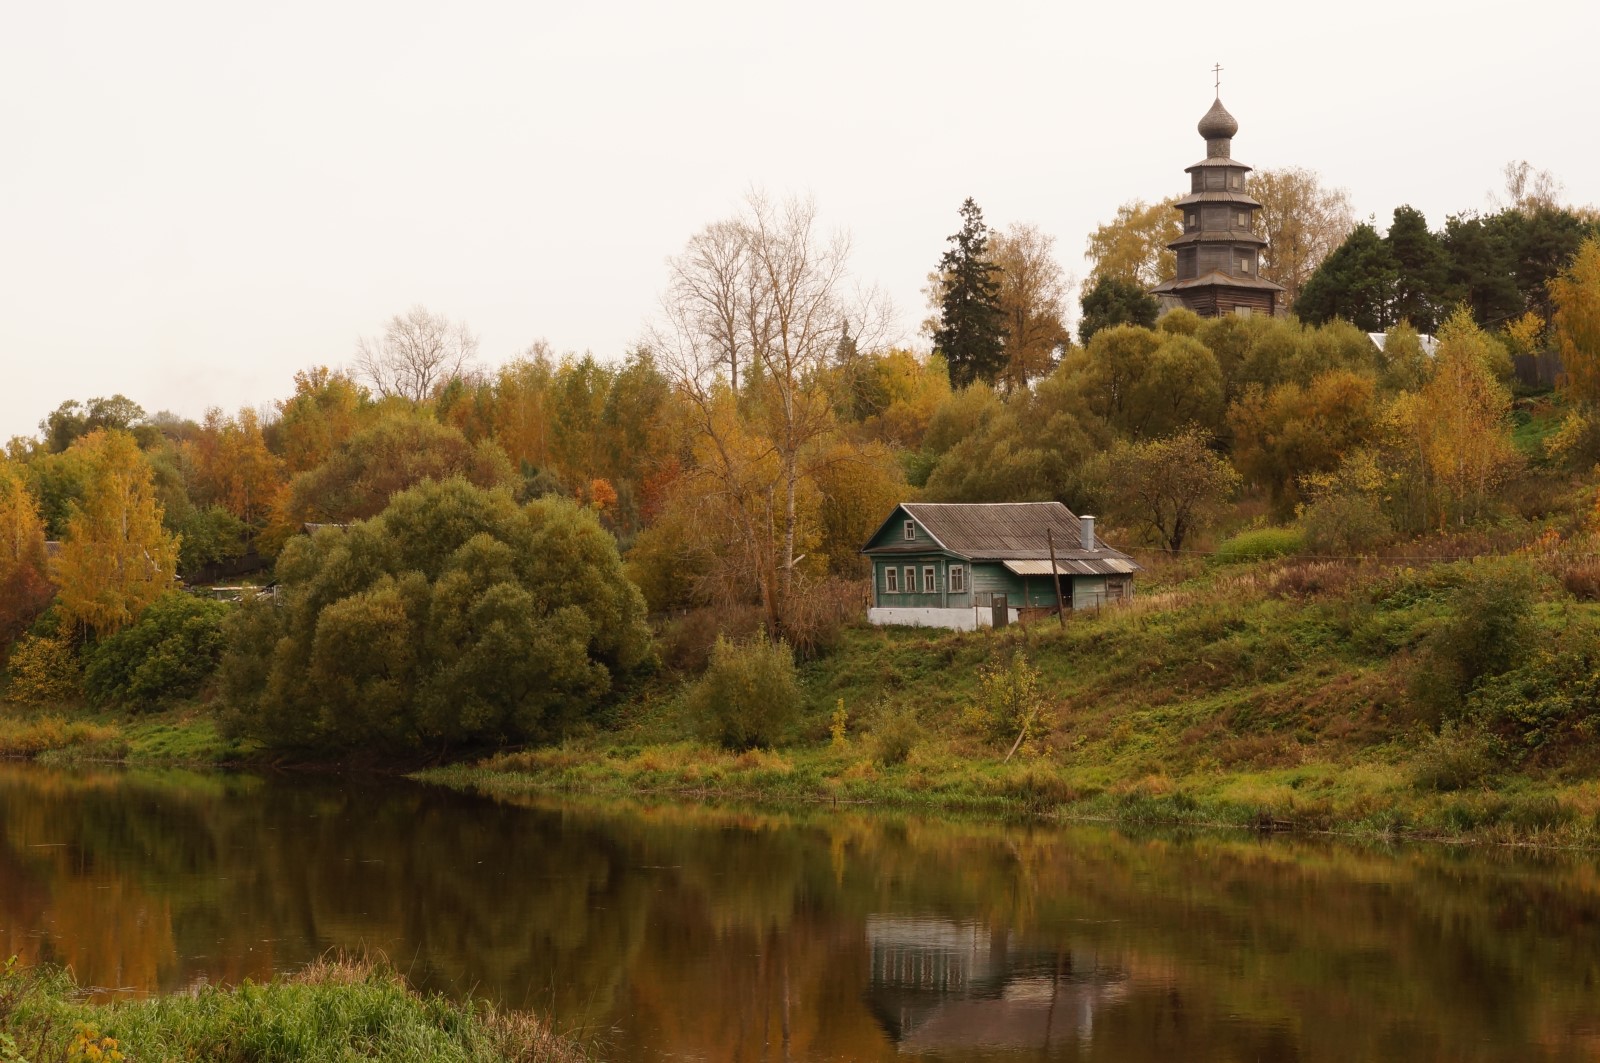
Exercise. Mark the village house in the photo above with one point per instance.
(960, 565)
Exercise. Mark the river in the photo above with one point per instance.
(672, 932)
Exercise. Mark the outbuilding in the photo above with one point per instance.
(968, 565)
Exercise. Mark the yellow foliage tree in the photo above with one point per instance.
(1456, 427)
(115, 558)
(233, 467)
(1576, 295)
(21, 530)
(1133, 246)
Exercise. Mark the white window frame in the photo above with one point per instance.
(911, 529)
(930, 580)
(958, 579)
(891, 580)
(911, 579)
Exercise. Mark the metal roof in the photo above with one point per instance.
(1107, 566)
(1002, 531)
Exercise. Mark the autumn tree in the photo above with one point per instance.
(233, 467)
(1457, 440)
(755, 457)
(1132, 247)
(1172, 488)
(397, 452)
(1293, 432)
(327, 408)
(25, 589)
(1033, 303)
(1302, 221)
(116, 558)
(970, 332)
(1576, 294)
(418, 352)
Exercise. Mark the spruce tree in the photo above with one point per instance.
(1421, 270)
(1356, 283)
(970, 333)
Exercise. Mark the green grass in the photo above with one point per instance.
(332, 1012)
(1270, 694)
(185, 735)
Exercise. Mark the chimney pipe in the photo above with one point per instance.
(1087, 526)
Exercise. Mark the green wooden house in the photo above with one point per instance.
(957, 565)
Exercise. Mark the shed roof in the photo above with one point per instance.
(1003, 531)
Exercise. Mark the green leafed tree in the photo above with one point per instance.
(1356, 283)
(1421, 271)
(970, 330)
(1170, 488)
(455, 617)
(1115, 301)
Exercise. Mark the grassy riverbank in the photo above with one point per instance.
(1447, 698)
(185, 736)
(332, 1011)
(1278, 695)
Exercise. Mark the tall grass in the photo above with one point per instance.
(29, 738)
(334, 1011)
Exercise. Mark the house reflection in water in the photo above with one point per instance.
(938, 986)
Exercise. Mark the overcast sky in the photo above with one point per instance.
(198, 199)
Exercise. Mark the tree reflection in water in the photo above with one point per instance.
(670, 930)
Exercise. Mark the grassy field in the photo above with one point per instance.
(1284, 694)
(335, 1010)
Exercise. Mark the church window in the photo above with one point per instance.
(1244, 265)
(1244, 219)
(1191, 221)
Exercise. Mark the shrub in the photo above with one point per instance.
(1481, 638)
(1549, 700)
(1259, 545)
(43, 670)
(1344, 525)
(168, 653)
(749, 693)
(686, 640)
(1010, 705)
(894, 735)
(1457, 758)
(1582, 580)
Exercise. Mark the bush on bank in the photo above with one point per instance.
(454, 617)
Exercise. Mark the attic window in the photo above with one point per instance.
(911, 529)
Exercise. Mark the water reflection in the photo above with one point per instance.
(675, 932)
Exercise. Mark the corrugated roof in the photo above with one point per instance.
(1003, 531)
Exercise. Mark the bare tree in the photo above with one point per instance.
(1528, 189)
(1302, 221)
(762, 290)
(418, 352)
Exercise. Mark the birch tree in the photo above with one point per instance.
(765, 292)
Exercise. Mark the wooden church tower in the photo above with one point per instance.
(1219, 253)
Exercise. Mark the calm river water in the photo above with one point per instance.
(676, 933)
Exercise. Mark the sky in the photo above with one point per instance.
(199, 199)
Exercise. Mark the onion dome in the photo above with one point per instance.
(1218, 124)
